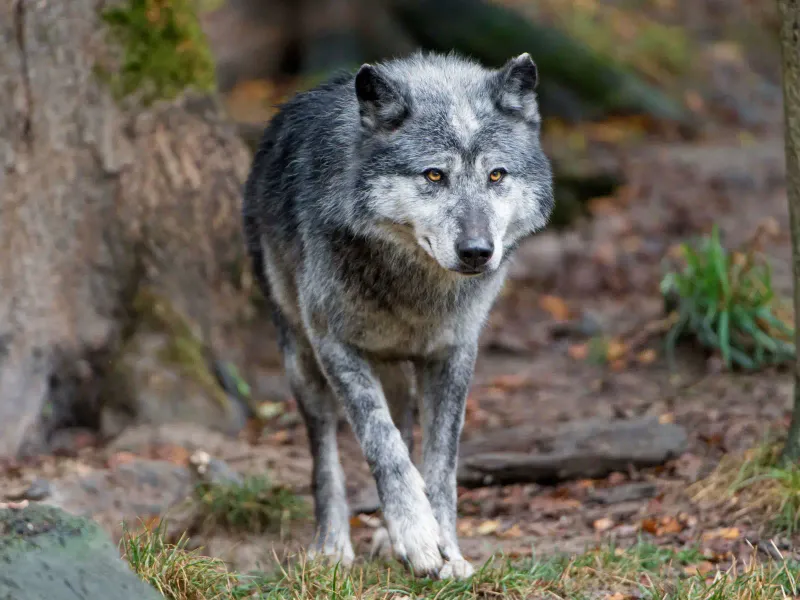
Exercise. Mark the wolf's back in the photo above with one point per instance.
(292, 159)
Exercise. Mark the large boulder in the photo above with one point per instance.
(47, 554)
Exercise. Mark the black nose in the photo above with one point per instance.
(474, 253)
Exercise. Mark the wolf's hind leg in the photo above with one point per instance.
(318, 407)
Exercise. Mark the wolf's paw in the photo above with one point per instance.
(381, 546)
(456, 568)
(333, 552)
(417, 542)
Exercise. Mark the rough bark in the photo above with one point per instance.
(98, 204)
(790, 45)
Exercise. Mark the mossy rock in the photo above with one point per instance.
(47, 554)
(163, 50)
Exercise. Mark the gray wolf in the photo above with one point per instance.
(380, 214)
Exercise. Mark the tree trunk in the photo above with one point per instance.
(790, 45)
(100, 208)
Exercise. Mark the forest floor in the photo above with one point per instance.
(592, 285)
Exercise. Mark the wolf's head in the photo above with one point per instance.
(450, 157)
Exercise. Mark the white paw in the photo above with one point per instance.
(416, 541)
(333, 551)
(381, 546)
(456, 568)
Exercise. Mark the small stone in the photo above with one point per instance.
(214, 471)
(38, 490)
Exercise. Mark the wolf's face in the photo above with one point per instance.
(451, 159)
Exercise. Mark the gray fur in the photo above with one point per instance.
(374, 297)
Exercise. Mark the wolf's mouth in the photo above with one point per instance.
(470, 272)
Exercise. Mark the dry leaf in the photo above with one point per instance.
(724, 533)
(666, 418)
(650, 526)
(670, 525)
(177, 455)
(487, 527)
(699, 569)
(647, 357)
(615, 350)
(362, 521)
(661, 527)
(603, 524)
(578, 351)
(466, 527)
(618, 365)
(512, 532)
(556, 306)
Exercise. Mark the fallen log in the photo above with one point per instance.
(577, 450)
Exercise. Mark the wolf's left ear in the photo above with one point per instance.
(515, 88)
(381, 103)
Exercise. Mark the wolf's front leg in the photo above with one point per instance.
(445, 383)
(412, 527)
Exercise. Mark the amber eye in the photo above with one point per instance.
(497, 175)
(434, 175)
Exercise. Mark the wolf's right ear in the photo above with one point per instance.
(381, 103)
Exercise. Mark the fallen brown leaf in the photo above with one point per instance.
(177, 455)
(646, 357)
(556, 306)
(699, 569)
(487, 527)
(603, 524)
(512, 532)
(615, 350)
(578, 351)
(723, 533)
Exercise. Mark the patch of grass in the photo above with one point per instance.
(255, 505)
(644, 571)
(760, 485)
(163, 49)
(177, 573)
(725, 301)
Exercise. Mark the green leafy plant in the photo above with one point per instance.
(725, 301)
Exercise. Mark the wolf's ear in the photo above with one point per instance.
(515, 88)
(381, 102)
